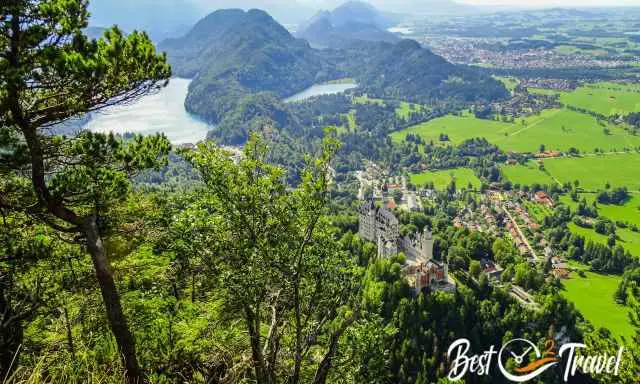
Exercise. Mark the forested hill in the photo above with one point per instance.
(408, 71)
(238, 59)
(233, 53)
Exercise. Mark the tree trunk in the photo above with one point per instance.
(11, 334)
(67, 324)
(256, 349)
(111, 298)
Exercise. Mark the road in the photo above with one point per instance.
(522, 236)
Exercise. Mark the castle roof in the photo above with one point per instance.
(381, 213)
(390, 217)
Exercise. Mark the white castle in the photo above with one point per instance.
(381, 226)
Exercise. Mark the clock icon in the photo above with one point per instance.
(520, 350)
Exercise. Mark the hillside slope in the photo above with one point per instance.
(233, 53)
(244, 63)
(409, 72)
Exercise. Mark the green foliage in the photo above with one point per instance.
(271, 255)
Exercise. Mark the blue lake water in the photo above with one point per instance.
(318, 90)
(163, 111)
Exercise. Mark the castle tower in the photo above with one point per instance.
(367, 221)
(426, 242)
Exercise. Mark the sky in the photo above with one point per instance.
(514, 3)
(564, 3)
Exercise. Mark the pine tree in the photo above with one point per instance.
(50, 72)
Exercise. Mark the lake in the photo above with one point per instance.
(320, 89)
(159, 112)
(401, 30)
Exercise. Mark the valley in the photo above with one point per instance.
(266, 193)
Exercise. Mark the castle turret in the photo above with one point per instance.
(426, 241)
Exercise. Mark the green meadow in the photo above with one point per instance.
(628, 212)
(538, 211)
(509, 82)
(442, 179)
(364, 99)
(593, 296)
(605, 98)
(459, 129)
(595, 171)
(627, 239)
(403, 111)
(527, 174)
(556, 129)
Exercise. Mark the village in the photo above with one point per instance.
(505, 214)
(481, 51)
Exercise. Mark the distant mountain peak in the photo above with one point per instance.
(350, 22)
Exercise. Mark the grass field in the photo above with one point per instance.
(442, 179)
(605, 98)
(459, 129)
(527, 174)
(628, 239)
(538, 211)
(628, 212)
(367, 100)
(593, 296)
(556, 129)
(594, 172)
(403, 111)
(509, 82)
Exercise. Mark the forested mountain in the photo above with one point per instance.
(233, 53)
(408, 71)
(355, 12)
(233, 56)
(323, 34)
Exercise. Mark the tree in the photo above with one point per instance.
(50, 72)
(19, 252)
(272, 252)
(474, 268)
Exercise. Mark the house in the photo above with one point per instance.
(541, 197)
(429, 274)
(492, 270)
(561, 273)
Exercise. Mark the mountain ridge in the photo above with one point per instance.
(246, 59)
(352, 21)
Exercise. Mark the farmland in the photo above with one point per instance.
(604, 312)
(458, 128)
(556, 129)
(605, 98)
(627, 239)
(403, 110)
(442, 179)
(594, 172)
(628, 212)
(527, 174)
